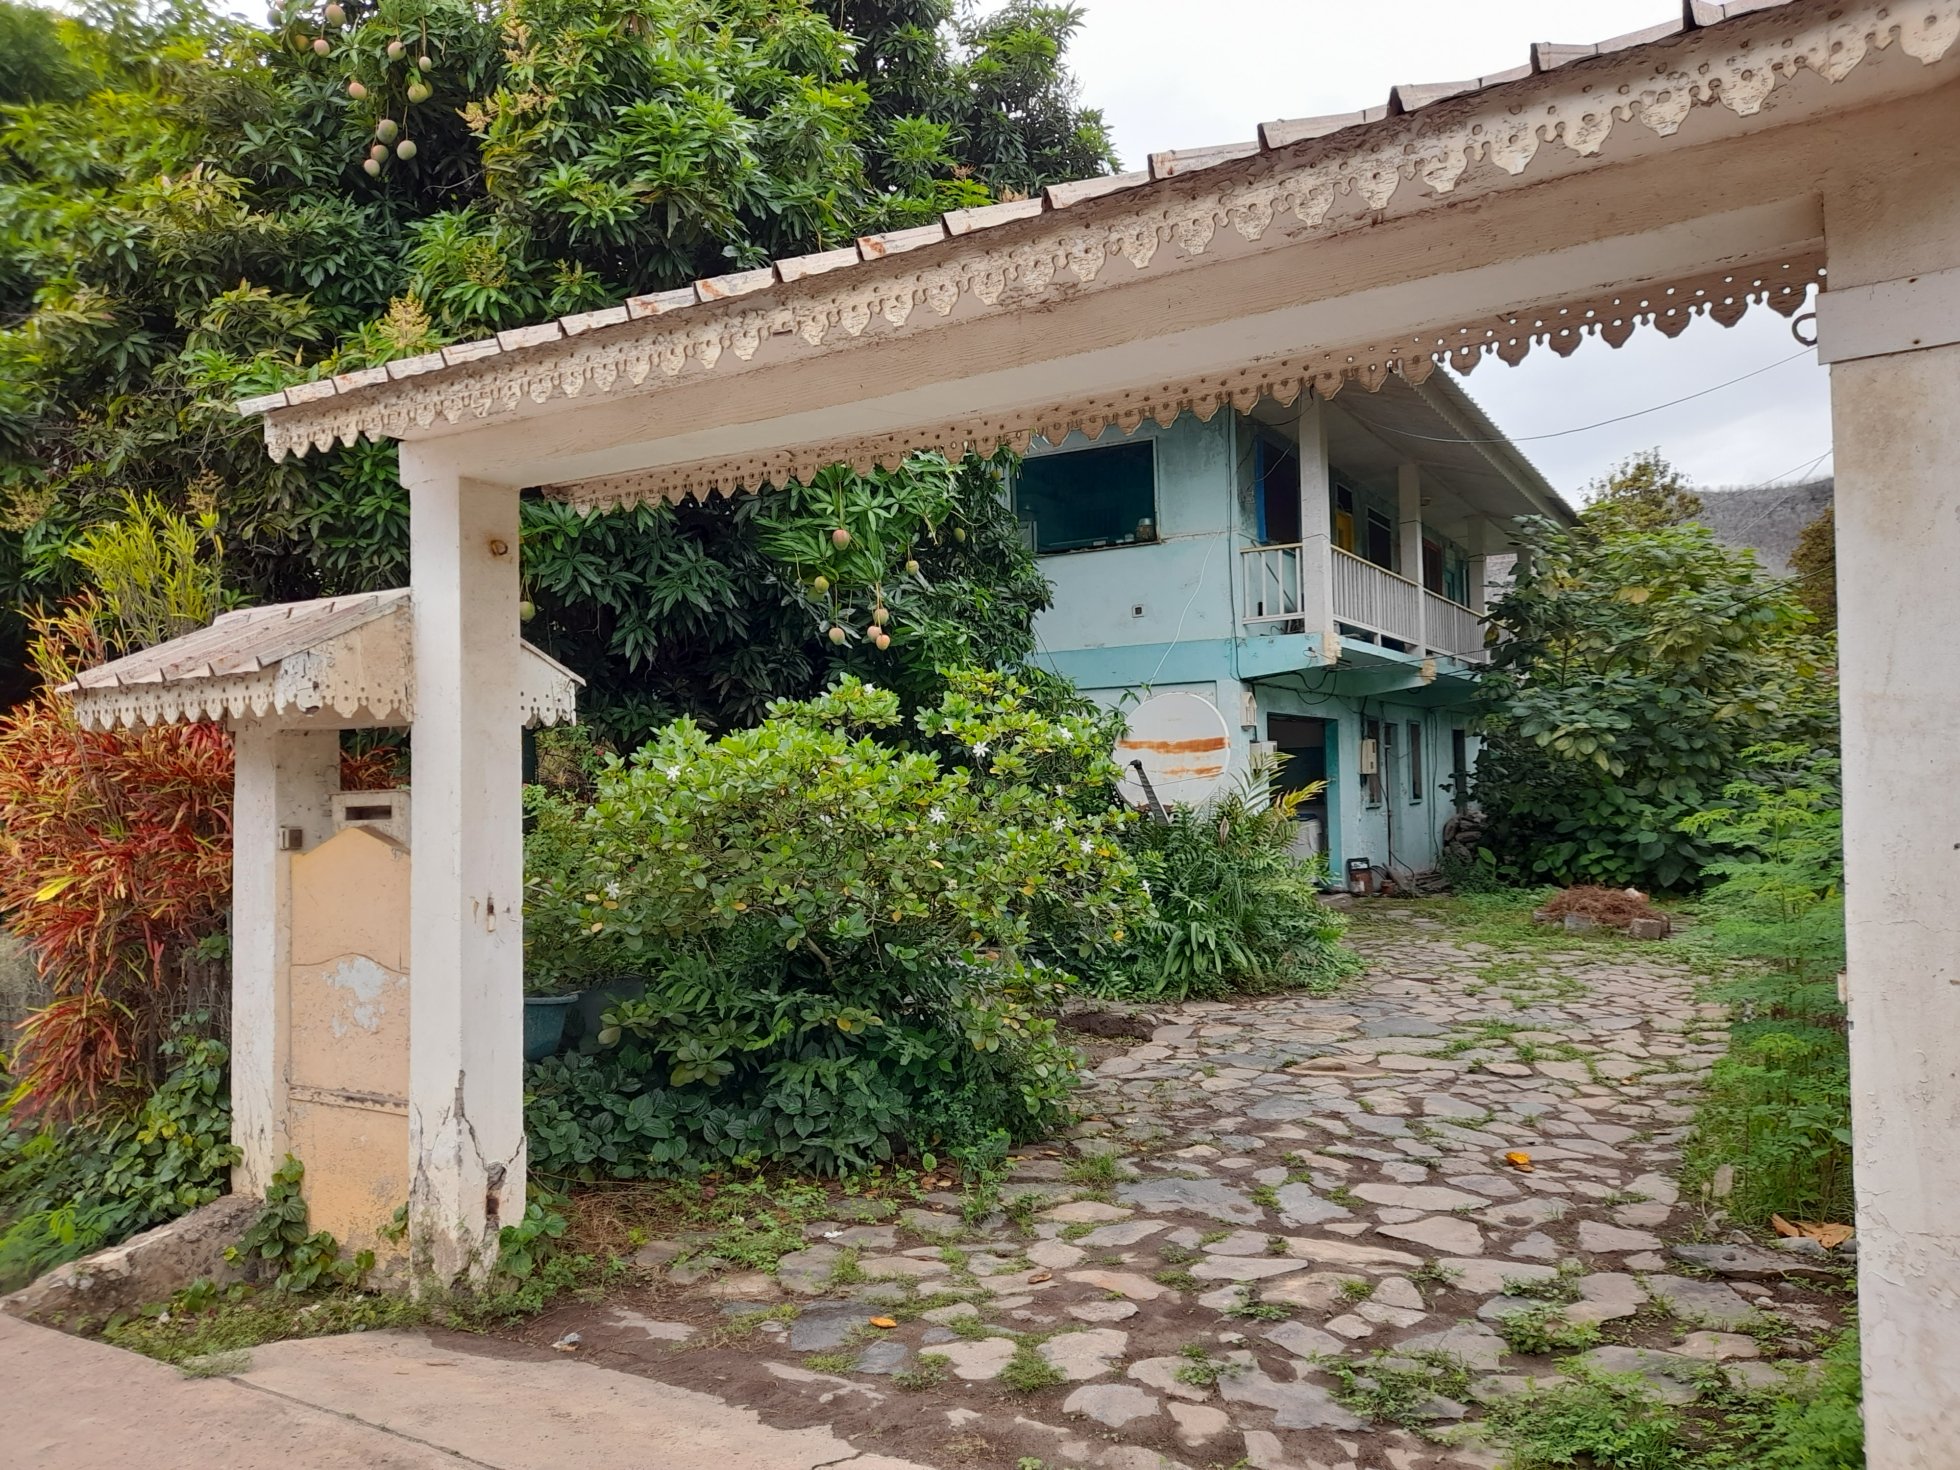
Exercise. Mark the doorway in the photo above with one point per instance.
(1306, 748)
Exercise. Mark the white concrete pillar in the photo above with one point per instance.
(1895, 413)
(1408, 528)
(466, 1107)
(1480, 539)
(283, 780)
(1317, 529)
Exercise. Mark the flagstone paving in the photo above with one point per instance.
(1292, 1181)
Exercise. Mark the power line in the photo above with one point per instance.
(1603, 423)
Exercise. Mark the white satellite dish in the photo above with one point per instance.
(1184, 747)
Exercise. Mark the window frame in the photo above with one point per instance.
(1148, 441)
(1415, 762)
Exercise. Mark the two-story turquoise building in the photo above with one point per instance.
(1315, 571)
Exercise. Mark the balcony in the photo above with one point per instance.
(1281, 584)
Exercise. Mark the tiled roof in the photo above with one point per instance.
(1271, 137)
(244, 642)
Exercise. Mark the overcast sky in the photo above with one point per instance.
(1183, 73)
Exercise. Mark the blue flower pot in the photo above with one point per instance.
(544, 1024)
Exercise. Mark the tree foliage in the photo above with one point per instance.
(1645, 493)
(1813, 567)
(193, 208)
(1636, 667)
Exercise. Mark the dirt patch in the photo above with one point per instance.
(1610, 908)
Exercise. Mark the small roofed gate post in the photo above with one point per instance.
(1699, 167)
(354, 1035)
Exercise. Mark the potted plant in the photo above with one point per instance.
(544, 1018)
(561, 956)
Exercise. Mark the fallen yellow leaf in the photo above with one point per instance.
(1782, 1226)
(884, 1321)
(1041, 1276)
(1830, 1236)
(1519, 1160)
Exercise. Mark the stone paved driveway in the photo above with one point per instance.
(1267, 1191)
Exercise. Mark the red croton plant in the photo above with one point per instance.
(115, 861)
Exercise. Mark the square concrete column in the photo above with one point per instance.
(466, 1107)
(283, 781)
(1408, 516)
(1317, 530)
(1890, 327)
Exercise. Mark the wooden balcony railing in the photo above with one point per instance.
(1281, 585)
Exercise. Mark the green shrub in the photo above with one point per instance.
(1639, 663)
(1235, 910)
(842, 940)
(1778, 1106)
(70, 1189)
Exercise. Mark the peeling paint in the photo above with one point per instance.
(363, 981)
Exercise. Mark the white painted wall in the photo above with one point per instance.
(1896, 421)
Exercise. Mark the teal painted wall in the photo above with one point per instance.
(1164, 617)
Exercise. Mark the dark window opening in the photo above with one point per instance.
(1276, 470)
(1460, 768)
(1380, 547)
(1088, 498)
(1432, 566)
(1415, 761)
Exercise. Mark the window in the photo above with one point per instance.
(1380, 548)
(1276, 473)
(1088, 498)
(1460, 767)
(1385, 766)
(1432, 566)
(1415, 762)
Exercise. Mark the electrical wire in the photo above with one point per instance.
(1603, 423)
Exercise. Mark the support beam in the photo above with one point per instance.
(283, 780)
(1316, 530)
(466, 1112)
(1896, 422)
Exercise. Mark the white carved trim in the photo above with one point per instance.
(1670, 306)
(363, 677)
(1576, 107)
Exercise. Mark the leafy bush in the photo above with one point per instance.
(1778, 1106)
(115, 863)
(67, 1189)
(1637, 666)
(841, 938)
(1234, 909)
(279, 1240)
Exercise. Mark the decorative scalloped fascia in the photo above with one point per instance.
(1737, 65)
(1723, 296)
(365, 675)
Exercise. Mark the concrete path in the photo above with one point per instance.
(373, 1401)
